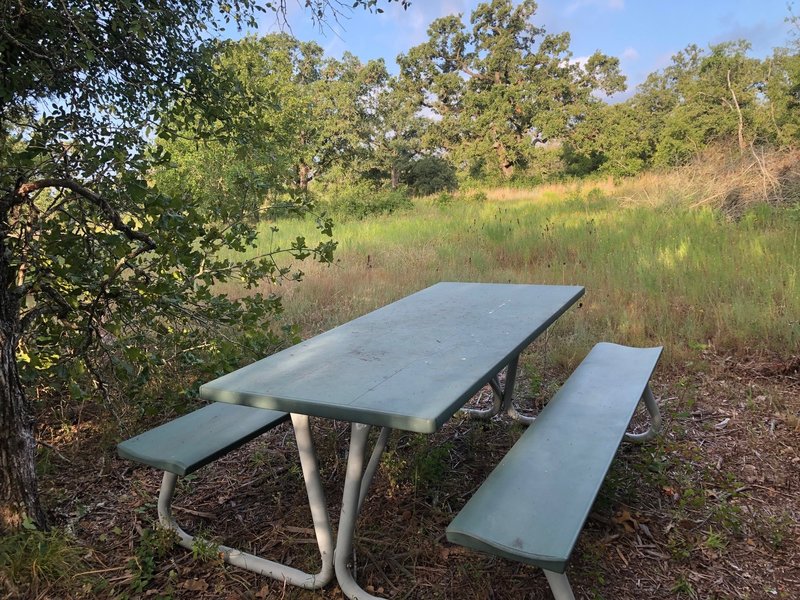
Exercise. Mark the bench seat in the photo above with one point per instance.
(187, 443)
(194, 440)
(534, 504)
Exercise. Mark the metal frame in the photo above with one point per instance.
(502, 398)
(655, 419)
(559, 585)
(262, 566)
(356, 484)
(502, 402)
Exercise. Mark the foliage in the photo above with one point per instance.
(153, 545)
(33, 562)
(428, 175)
(98, 265)
(362, 200)
(703, 98)
(293, 115)
(501, 88)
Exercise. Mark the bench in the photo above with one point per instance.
(533, 505)
(187, 443)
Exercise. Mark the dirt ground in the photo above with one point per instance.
(711, 509)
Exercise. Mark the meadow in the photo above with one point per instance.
(655, 271)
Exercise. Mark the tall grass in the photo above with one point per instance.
(655, 273)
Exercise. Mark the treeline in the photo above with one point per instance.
(497, 100)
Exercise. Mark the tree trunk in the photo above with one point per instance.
(395, 177)
(303, 172)
(19, 494)
(506, 166)
(738, 114)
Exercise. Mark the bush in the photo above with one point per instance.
(478, 197)
(34, 563)
(362, 200)
(429, 175)
(444, 199)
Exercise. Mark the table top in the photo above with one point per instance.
(409, 365)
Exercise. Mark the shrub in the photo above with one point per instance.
(478, 197)
(429, 175)
(362, 200)
(34, 562)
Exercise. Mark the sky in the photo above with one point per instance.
(643, 34)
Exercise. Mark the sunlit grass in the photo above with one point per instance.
(655, 273)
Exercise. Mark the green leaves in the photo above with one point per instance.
(502, 88)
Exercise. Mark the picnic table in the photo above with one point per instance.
(410, 365)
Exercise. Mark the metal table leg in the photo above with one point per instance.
(263, 566)
(356, 484)
(502, 398)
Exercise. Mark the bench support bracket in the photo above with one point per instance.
(502, 398)
(655, 419)
(262, 566)
(559, 584)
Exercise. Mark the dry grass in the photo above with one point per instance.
(721, 179)
(654, 271)
(708, 510)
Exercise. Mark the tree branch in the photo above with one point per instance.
(110, 212)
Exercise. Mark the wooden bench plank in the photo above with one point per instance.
(534, 504)
(189, 442)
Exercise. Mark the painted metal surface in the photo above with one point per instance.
(187, 443)
(503, 398)
(655, 420)
(257, 564)
(534, 504)
(356, 482)
(559, 585)
(409, 365)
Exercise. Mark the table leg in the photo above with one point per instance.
(356, 483)
(316, 495)
(257, 564)
(508, 393)
(502, 398)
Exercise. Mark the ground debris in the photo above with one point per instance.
(709, 509)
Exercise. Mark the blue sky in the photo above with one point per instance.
(644, 34)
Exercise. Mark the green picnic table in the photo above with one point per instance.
(409, 365)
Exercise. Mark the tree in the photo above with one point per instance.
(256, 163)
(92, 255)
(342, 113)
(719, 96)
(398, 131)
(497, 90)
(292, 115)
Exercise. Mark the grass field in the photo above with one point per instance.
(654, 272)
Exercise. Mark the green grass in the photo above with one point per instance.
(654, 274)
(38, 564)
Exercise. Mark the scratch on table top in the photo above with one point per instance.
(498, 307)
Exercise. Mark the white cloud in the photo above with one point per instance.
(579, 60)
(630, 53)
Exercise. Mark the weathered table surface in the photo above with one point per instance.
(409, 365)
